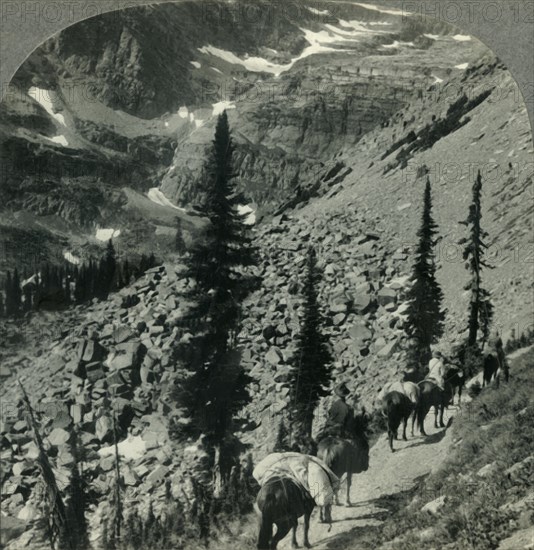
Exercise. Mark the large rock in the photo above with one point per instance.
(58, 437)
(274, 356)
(386, 296)
(360, 333)
(388, 350)
(92, 351)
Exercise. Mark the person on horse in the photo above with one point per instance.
(437, 369)
(341, 415)
(495, 347)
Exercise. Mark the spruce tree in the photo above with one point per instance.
(2, 309)
(215, 389)
(425, 317)
(10, 308)
(480, 307)
(16, 293)
(179, 243)
(310, 375)
(75, 537)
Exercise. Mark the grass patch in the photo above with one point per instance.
(489, 470)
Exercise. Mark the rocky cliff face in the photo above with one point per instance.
(106, 105)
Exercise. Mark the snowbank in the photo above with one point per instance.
(462, 66)
(319, 12)
(389, 11)
(461, 37)
(316, 41)
(43, 97)
(71, 258)
(157, 196)
(220, 106)
(61, 140)
(196, 64)
(247, 209)
(106, 234)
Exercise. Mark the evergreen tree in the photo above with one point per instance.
(480, 307)
(111, 267)
(126, 273)
(215, 388)
(425, 318)
(10, 308)
(2, 309)
(282, 438)
(179, 243)
(310, 375)
(16, 293)
(75, 537)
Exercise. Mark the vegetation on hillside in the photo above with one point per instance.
(483, 483)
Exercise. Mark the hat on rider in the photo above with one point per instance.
(341, 390)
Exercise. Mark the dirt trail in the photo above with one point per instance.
(389, 473)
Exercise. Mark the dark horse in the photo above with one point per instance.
(491, 369)
(456, 378)
(397, 407)
(432, 396)
(281, 501)
(344, 456)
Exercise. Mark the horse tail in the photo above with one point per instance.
(328, 455)
(268, 512)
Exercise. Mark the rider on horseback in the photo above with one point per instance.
(341, 416)
(437, 369)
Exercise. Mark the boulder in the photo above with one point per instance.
(434, 506)
(93, 351)
(58, 437)
(386, 296)
(274, 356)
(122, 333)
(387, 350)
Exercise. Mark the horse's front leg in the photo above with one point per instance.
(414, 416)
(307, 529)
(349, 483)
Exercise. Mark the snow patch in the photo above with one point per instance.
(44, 98)
(462, 66)
(196, 64)
(183, 112)
(389, 11)
(432, 36)
(72, 258)
(220, 106)
(398, 44)
(316, 41)
(107, 234)
(437, 80)
(461, 37)
(319, 12)
(132, 448)
(216, 70)
(60, 140)
(166, 124)
(244, 209)
(157, 196)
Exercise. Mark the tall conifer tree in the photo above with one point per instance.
(310, 375)
(480, 306)
(425, 315)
